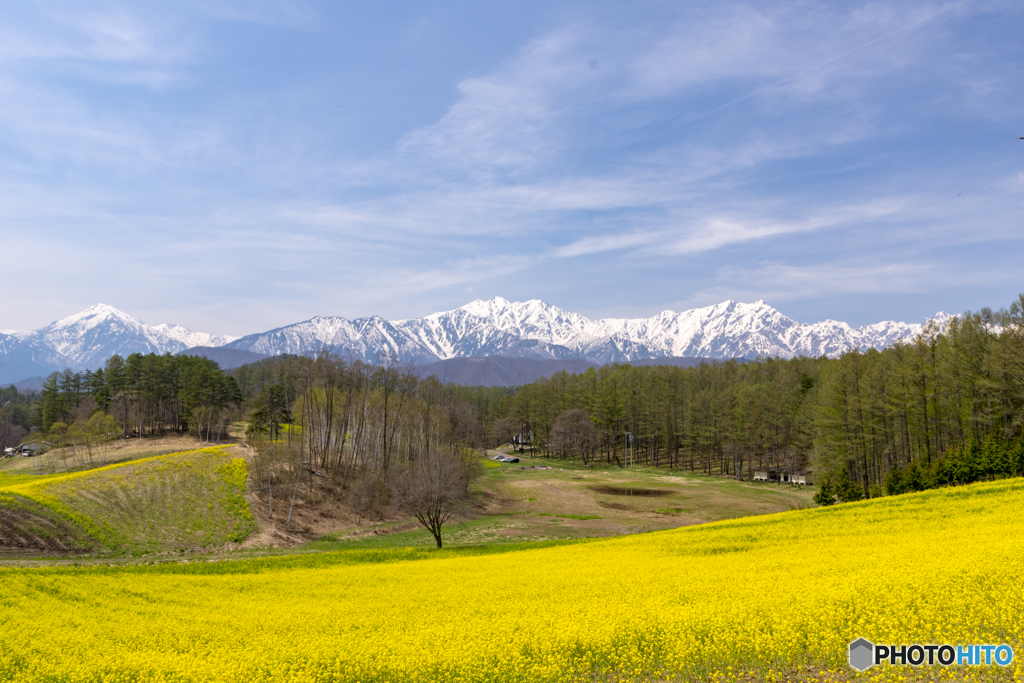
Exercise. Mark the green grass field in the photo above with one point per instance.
(515, 503)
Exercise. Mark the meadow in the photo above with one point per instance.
(775, 597)
(545, 499)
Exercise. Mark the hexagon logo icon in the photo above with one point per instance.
(862, 654)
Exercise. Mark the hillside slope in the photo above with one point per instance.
(775, 598)
(170, 502)
(502, 371)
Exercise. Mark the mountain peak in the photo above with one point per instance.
(103, 310)
(190, 338)
(93, 316)
(494, 327)
(500, 306)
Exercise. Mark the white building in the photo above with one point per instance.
(783, 476)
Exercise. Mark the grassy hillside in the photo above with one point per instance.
(545, 499)
(762, 598)
(64, 460)
(170, 502)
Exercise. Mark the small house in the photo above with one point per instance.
(783, 476)
(33, 448)
(522, 438)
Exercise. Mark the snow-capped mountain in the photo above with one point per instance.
(20, 359)
(498, 327)
(190, 338)
(84, 341)
(534, 329)
(91, 337)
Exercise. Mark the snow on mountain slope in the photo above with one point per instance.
(358, 337)
(20, 359)
(91, 337)
(531, 319)
(498, 327)
(190, 338)
(534, 329)
(87, 339)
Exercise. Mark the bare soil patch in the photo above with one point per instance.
(27, 528)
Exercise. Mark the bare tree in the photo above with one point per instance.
(433, 488)
(395, 382)
(465, 426)
(573, 434)
(502, 430)
(10, 434)
(367, 495)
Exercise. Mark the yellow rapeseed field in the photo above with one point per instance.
(763, 598)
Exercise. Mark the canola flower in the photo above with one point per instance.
(188, 499)
(767, 598)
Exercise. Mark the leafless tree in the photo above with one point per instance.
(10, 434)
(503, 430)
(277, 464)
(433, 488)
(395, 382)
(464, 424)
(367, 494)
(573, 434)
(208, 422)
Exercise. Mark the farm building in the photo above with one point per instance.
(523, 438)
(32, 448)
(783, 476)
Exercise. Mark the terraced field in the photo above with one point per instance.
(165, 503)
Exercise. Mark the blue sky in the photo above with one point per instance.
(237, 166)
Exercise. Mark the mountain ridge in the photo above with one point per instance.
(495, 327)
(534, 329)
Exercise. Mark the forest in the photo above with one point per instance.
(141, 395)
(943, 408)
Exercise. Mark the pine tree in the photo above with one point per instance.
(845, 490)
(825, 495)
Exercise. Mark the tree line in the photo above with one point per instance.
(140, 395)
(951, 396)
(945, 407)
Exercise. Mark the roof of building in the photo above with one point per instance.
(779, 470)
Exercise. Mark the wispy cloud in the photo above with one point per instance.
(782, 283)
(683, 153)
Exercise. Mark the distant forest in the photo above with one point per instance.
(947, 407)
